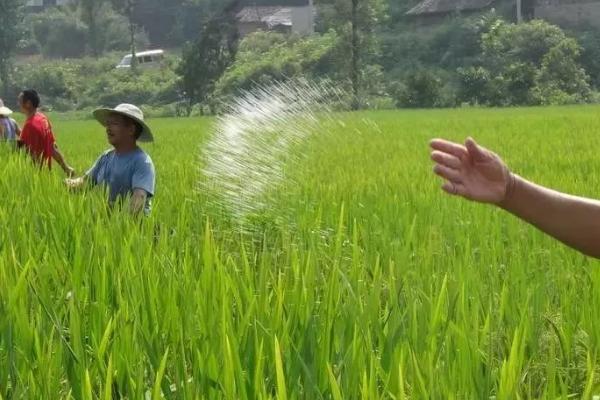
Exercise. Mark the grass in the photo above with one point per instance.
(374, 285)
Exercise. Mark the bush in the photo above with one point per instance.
(525, 64)
(60, 33)
(264, 57)
(116, 36)
(589, 40)
(154, 87)
(89, 83)
(451, 44)
(473, 85)
(421, 89)
(560, 80)
(29, 46)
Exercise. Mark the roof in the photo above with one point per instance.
(146, 53)
(149, 53)
(274, 3)
(271, 16)
(447, 6)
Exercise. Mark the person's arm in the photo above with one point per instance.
(143, 184)
(23, 137)
(477, 174)
(573, 220)
(59, 158)
(90, 177)
(137, 201)
(2, 132)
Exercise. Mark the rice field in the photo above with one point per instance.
(358, 279)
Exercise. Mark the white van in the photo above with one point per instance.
(145, 59)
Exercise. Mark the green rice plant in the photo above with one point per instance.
(360, 279)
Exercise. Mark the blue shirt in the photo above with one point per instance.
(123, 173)
(10, 128)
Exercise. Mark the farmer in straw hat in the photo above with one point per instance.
(37, 137)
(126, 169)
(475, 173)
(9, 129)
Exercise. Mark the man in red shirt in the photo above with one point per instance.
(37, 137)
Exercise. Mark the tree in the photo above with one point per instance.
(11, 18)
(267, 57)
(528, 63)
(527, 43)
(560, 80)
(355, 21)
(60, 33)
(205, 60)
(128, 8)
(171, 22)
(421, 90)
(90, 11)
(589, 39)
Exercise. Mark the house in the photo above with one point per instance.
(560, 12)
(291, 16)
(436, 10)
(568, 13)
(41, 4)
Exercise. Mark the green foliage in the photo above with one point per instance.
(60, 32)
(474, 83)
(265, 56)
(527, 43)
(560, 80)
(421, 89)
(91, 12)
(528, 63)
(377, 287)
(150, 87)
(205, 60)
(355, 22)
(11, 30)
(64, 33)
(173, 22)
(450, 44)
(89, 83)
(448, 51)
(589, 40)
(367, 47)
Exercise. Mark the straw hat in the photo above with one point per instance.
(129, 111)
(4, 111)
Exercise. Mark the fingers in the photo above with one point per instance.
(448, 173)
(446, 159)
(455, 189)
(476, 152)
(457, 150)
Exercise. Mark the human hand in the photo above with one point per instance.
(471, 171)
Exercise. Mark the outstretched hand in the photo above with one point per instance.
(471, 171)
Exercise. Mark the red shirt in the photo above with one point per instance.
(38, 138)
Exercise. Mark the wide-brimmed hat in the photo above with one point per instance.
(4, 111)
(130, 111)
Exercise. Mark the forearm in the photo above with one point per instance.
(137, 201)
(58, 157)
(573, 220)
